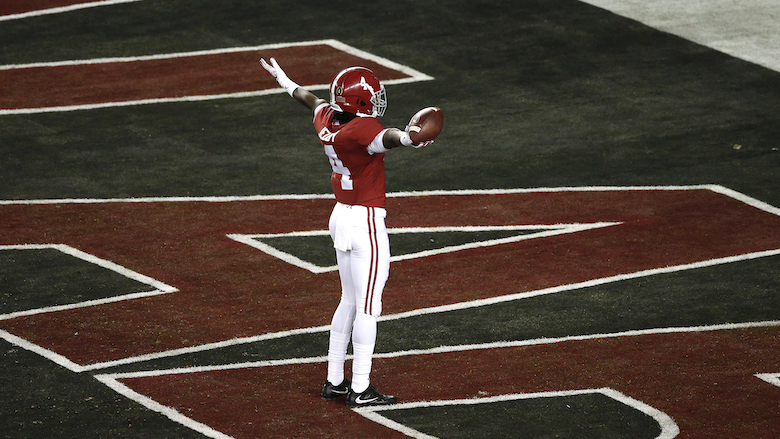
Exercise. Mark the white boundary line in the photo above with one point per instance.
(111, 380)
(426, 311)
(60, 10)
(463, 305)
(450, 349)
(413, 75)
(160, 287)
(252, 241)
(43, 352)
(61, 360)
(205, 347)
(403, 194)
(554, 229)
(669, 428)
(141, 200)
(85, 304)
(771, 378)
(226, 199)
(580, 285)
(153, 405)
(97, 261)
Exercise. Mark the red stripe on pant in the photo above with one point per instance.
(372, 273)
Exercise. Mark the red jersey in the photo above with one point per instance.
(358, 177)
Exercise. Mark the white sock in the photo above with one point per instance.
(363, 341)
(340, 329)
(337, 354)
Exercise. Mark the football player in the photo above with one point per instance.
(355, 143)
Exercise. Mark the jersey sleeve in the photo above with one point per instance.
(320, 109)
(377, 146)
(366, 129)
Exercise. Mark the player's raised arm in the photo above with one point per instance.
(300, 94)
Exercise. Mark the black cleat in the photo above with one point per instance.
(369, 397)
(329, 391)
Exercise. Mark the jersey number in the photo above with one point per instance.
(338, 167)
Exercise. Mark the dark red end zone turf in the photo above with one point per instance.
(173, 77)
(704, 381)
(228, 289)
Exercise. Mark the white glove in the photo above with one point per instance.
(280, 76)
(407, 141)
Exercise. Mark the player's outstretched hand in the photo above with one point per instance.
(422, 144)
(281, 77)
(407, 141)
(271, 68)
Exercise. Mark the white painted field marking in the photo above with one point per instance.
(448, 349)
(579, 285)
(669, 428)
(206, 347)
(413, 75)
(155, 406)
(63, 9)
(771, 378)
(227, 199)
(446, 308)
(464, 305)
(141, 200)
(43, 352)
(549, 230)
(159, 287)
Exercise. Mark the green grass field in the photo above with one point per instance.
(536, 94)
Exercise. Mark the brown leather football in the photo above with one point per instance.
(426, 124)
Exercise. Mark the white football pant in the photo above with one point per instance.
(363, 254)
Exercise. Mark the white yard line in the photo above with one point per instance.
(63, 9)
(412, 74)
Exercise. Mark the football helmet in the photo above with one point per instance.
(357, 90)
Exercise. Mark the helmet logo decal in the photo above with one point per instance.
(339, 91)
(365, 85)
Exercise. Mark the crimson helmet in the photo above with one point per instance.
(357, 90)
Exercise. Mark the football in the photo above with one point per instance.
(426, 124)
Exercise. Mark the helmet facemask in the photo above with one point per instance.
(379, 101)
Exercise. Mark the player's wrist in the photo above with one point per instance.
(405, 139)
(287, 84)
